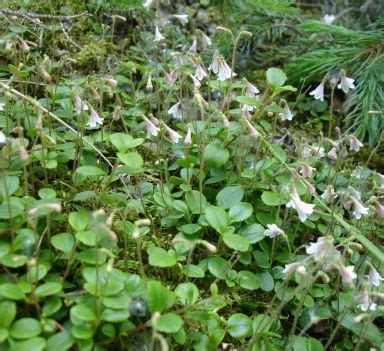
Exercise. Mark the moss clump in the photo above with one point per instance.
(92, 55)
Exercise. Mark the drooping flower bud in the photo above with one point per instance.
(112, 83)
(149, 86)
(188, 138)
(24, 47)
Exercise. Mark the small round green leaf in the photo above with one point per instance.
(158, 257)
(188, 293)
(239, 326)
(48, 289)
(236, 242)
(90, 171)
(240, 212)
(229, 196)
(83, 313)
(276, 77)
(63, 242)
(215, 155)
(168, 323)
(25, 328)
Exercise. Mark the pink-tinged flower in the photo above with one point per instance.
(226, 124)
(94, 119)
(332, 154)
(112, 83)
(24, 47)
(355, 144)
(245, 113)
(359, 209)
(307, 171)
(206, 39)
(287, 114)
(251, 90)
(273, 231)
(174, 74)
(173, 135)
(183, 19)
(8, 46)
(151, 128)
(346, 84)
(193, 48)
(179, 58)
(188, 138)
(200, 73)
(318, 93)
(158, 35)
(3, 138)
(292, 267)
(80, 105)
(252, 130)
(303, 209)
(318, 151)
(380, 210)
(196, 82)
(200, 101)
(174, 110)
(23, 153)
(328, 19)
(168, 79)
(310, 188)
(220, 67)
(149, 86)
(366, 302)
(347, 274)
(374, 277)
(154, 120)
(382, 180)
(328, 194)
(147, 4)
(319, 250)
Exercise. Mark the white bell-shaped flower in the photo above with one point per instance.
(94, 119)
(158, 35)
(359, 209)
(287, 114)
(355, 144)
(374, 277)
(151, 128)
(221, 68)
(318, 93)
(346, 84)
(303, 209)
(347, 274)
(273, 231)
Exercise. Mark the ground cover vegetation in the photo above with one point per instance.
(191, 175)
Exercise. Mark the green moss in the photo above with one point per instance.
(92, 55)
